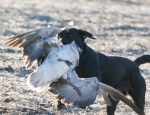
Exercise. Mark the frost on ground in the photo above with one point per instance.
(122, 28)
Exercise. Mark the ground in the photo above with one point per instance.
(122, 28)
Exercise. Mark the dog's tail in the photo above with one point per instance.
(142, 60)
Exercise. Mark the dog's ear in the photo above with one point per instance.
(85, 34)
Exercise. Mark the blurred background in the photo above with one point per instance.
(122, 28)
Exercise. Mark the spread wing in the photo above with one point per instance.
(67, 94)
(89, 88)
(116, 95)
(32, 43)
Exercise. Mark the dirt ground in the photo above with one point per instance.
(122, 28)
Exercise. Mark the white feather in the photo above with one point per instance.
(52, 69)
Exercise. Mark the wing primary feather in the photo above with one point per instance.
(17, 37)
(119, 96)
(113, 97)
(10, 40)
(14, 42)
(29, 64)
(18, 43)
(105, 96)
(27, 43)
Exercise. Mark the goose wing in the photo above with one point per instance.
(67, 94)
(32, 43)
(89, 88)
(104, 90)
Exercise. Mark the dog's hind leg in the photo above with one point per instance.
(124, 87)
(111, 109)
(139, 89)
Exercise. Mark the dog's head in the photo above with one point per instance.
(69, 35)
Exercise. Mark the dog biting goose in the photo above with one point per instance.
(56, 62)
(39, 44)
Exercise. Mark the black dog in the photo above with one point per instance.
(118, 72)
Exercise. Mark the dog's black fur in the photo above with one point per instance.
(118, 72)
